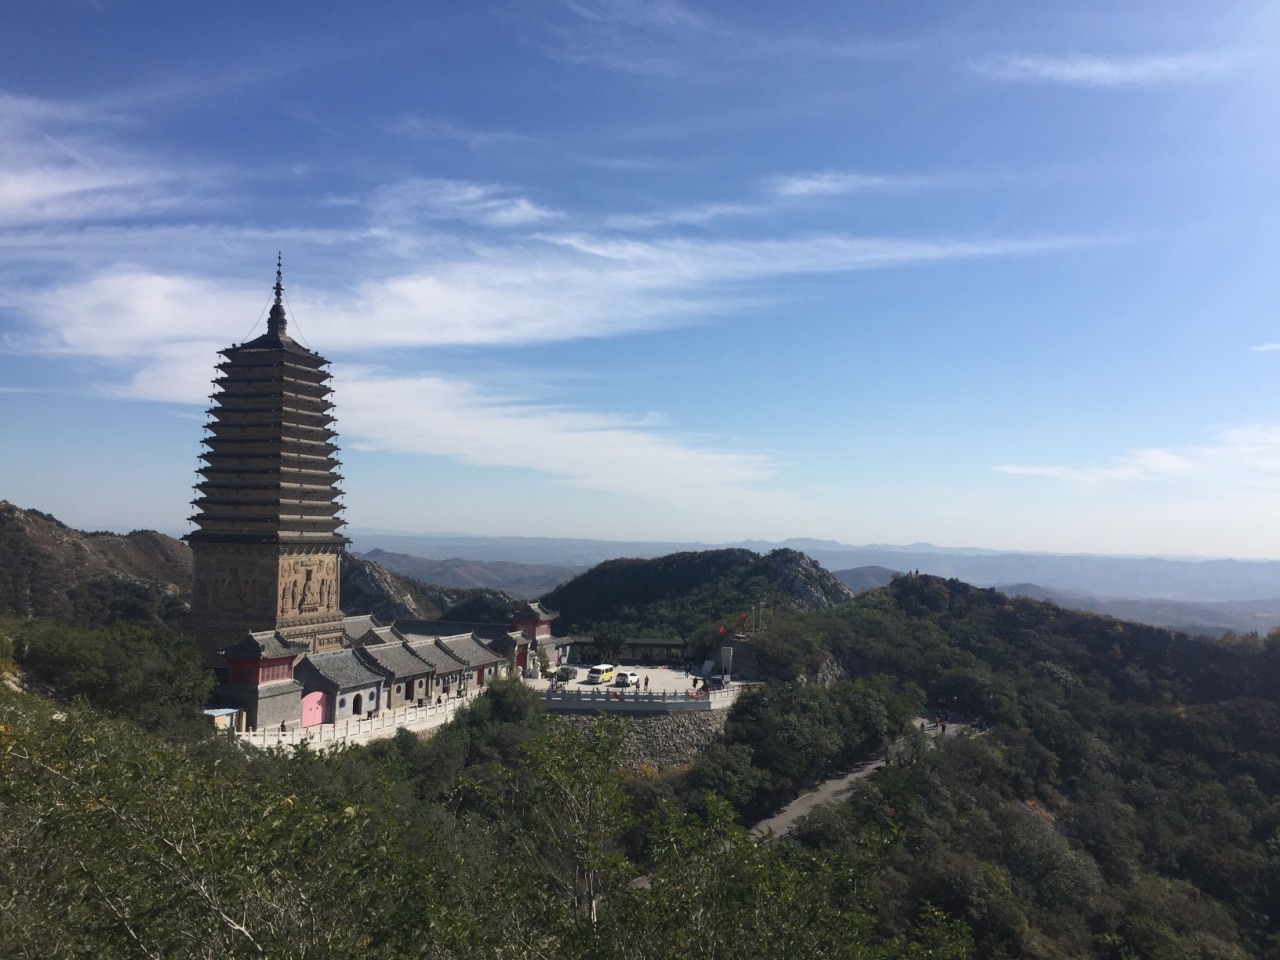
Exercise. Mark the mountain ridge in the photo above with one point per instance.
(1120, 577)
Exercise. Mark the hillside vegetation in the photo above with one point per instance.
(683, 594)
(48, 569)
(1121, 800)
(1124, 803)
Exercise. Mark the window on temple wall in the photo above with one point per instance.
(274, 671)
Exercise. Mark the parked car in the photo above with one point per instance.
(627, 678)
(566, 673)
(600, 673)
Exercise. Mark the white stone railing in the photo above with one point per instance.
(429, 716)
(610, 699)
(359, 729)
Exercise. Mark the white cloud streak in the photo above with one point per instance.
(74, 175)
(488, 204)
(555, 288)
(437, 128)
(1087, 70)
(457, 419)
(834, 183)
(685, 216)
(1245, 454)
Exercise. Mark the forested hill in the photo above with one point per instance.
(1115, 794)
(1125, 802)
(48, 569)
(683, 593)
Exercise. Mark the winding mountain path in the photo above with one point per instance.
(837, 788)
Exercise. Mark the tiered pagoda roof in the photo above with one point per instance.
(270, 471)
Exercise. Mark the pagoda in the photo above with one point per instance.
(267, 549)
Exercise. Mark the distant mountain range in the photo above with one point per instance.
(50, 569)
(1084, 575)
(518, 579)
(1212, 617)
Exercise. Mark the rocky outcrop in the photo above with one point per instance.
(665, 740)
(370, 588)
(808, 584)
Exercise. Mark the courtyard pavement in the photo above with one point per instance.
(661, 679)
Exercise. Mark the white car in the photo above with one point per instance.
(626, 678)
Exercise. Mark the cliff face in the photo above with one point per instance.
(369, 588)
(808, 584)
(48, 569)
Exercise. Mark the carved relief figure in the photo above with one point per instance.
(310, 595)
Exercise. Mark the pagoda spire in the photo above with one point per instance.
(276, 322)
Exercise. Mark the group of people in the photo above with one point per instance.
(939, 724)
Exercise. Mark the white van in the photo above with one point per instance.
(600, 673)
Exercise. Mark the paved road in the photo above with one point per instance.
(829, 791)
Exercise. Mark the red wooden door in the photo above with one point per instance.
(313, 709)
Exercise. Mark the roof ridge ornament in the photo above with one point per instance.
(277, 324)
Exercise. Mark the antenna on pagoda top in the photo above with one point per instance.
(276, 322)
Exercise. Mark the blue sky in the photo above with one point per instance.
(992, 274)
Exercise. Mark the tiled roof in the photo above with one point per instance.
(356, 627)
(342, 669)
(443, 661)
(468, 649)
(453, 628)
(379, 635)
(533, 610)
(395, 658)
(263, 645)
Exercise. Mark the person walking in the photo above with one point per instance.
(646, 683)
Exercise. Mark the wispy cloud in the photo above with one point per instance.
(666, 38)
(685, 216)
(53, 168)
(544, 289)
(830, 183)
(457, 419)
(433, 199)
(1088, 70)
(438, 128)
(1243, 454)
(1266, 348)
(1137, 465)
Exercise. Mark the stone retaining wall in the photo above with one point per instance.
(663, 740)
